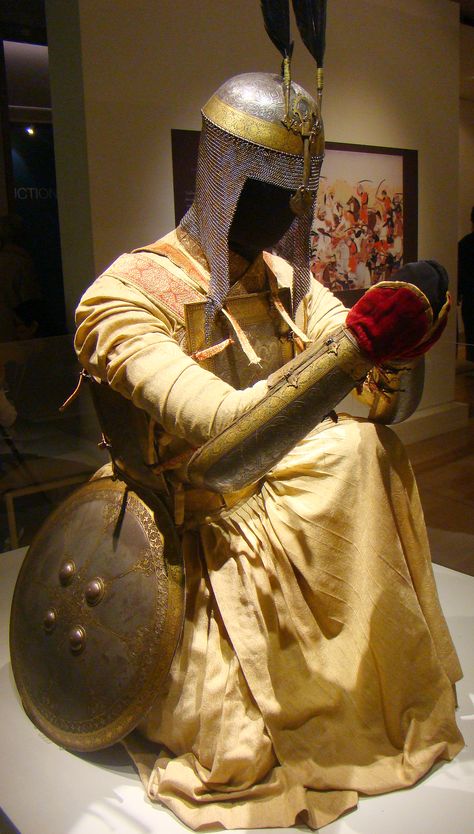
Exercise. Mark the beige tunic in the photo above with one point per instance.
(315, 662)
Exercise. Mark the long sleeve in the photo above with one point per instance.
(323, 312)
(466, 267)
(124, 338)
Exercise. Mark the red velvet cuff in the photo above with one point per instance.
(389, 322)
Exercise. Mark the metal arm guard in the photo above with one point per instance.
(393, 392)
(300, 395)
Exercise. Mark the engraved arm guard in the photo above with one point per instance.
(299, 396)
(393, 391)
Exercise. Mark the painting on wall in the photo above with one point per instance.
(365, 220)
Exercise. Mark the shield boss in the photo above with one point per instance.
(97, 615)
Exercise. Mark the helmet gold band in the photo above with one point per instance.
(272, 135)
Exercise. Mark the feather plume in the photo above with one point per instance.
(276, 17)
(311, 19)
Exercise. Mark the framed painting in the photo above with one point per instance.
(366, 217)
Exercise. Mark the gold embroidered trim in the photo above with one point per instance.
(253, 129)
(168, 289)
(179, 259)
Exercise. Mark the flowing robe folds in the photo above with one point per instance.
(315, 663)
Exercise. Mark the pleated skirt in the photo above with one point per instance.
(315, 663)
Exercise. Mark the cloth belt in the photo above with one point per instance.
(194, 505)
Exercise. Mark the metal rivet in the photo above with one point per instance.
(77, 639)
(67, 572)
(95, 590)
(50, 619)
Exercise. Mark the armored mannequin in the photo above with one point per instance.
(288, 694)
(313, 662)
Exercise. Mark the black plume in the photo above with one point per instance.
(311, 19)
(276, 17)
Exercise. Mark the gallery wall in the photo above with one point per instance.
(146, 67)
(74, 189)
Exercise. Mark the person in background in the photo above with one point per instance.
(29, 317)
(466, 287)
(8, 413)
(18, 281)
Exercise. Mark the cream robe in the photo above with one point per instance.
(315, 662)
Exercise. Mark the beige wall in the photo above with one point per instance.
(70, 147)
(392, 79)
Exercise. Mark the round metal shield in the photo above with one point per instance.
(96, 616)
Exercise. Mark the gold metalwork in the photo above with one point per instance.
(273, 135)
(50, 620)
(301, 202)
(264, 327)
(77, 639)
(320, 85)
(94, 591)
(300, 395)
(286, 86)
(304, 120)
(67, 572)
(393, 392)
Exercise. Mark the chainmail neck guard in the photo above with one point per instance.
(225, 162)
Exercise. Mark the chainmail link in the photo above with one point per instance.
(225, 162)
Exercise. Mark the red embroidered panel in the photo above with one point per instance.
(179, 259)
(169, 290)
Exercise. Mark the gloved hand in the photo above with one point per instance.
(402, 318)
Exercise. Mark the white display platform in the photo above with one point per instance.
(45, 790)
